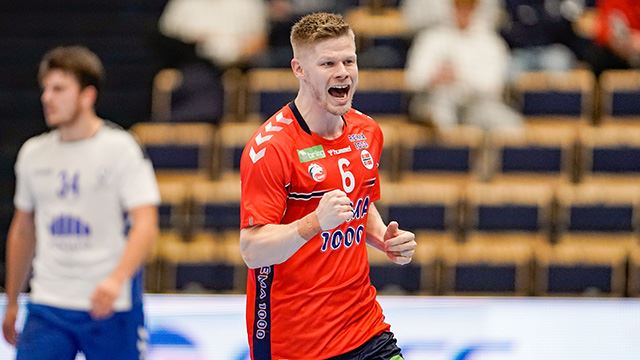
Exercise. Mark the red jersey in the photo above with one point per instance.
(320, 302)
(617, 18)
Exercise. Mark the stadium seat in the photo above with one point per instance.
(431, 211)
(193, 265)
(382, 94)
(450, 156)
(534, 154)
(488, 268)
(503, 225)
(383, 39)
(610, 154)
(594, 213)
(559, 98)
(508, 213)
(216, 205)
(177, 150)
(231, 139)
(620, 97)
(569, 268)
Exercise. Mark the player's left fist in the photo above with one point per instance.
(400, 245)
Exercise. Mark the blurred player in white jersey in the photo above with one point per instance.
(73, 186)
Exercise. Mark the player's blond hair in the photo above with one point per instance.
(316, 27)
(77, 60)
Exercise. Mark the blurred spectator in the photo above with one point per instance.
(203, 38)
(540, 34)
(422, 14)
(226, 32)
(617, 35)
(459, 73)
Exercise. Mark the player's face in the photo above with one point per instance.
(61, 98)
(330, 72)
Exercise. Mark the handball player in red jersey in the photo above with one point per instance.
(309, 182)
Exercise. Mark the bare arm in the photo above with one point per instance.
(142, 236)
(399, 245)
(271, 244)
(21, 244)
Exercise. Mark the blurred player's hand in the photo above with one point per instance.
(399, 244)
(444, 75)
(9, 324)
(334, 209)
(104, 296)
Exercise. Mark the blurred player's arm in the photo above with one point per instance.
(142, 237)
(21, 244)
(399, 245)
(270, 244)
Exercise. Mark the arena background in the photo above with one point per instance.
(597, 313)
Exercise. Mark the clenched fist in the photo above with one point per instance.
(334, 209)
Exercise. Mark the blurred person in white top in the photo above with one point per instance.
(458, 74)
(74, 185)
(422, 14)
(226, 32)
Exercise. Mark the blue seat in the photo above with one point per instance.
(610, 153)
(620, 97)
(558, 98)
(535, 154)
(178, 150)
(216, 205)
(570, 268)
(451, 155)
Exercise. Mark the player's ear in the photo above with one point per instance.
(296, 66)
(89, 96)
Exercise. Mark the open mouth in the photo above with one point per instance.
(339, 91)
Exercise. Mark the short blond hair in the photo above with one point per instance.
(316, 27)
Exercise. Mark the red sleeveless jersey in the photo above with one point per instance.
(320, 302)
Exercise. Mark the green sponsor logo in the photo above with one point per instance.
(312, 153)
(397, 357)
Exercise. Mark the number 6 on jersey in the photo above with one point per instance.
(348, 180)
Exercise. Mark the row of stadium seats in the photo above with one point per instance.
(415, 152)
(507, 265)
(494, 233)
(548, 213)
(560, 98)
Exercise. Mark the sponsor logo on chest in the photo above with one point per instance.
(333, 152)
(311, 154)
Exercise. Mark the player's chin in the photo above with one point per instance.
(340, 109)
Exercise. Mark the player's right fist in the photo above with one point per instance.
(334, 209)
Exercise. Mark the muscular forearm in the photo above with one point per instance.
(21, 244)
(275, 243)
(375, 228)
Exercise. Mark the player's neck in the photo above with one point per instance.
(319, 120)
(83, 127)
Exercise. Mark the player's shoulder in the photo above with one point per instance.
(38, 143)
(117, 137)
(277, 131)
(361, 119)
